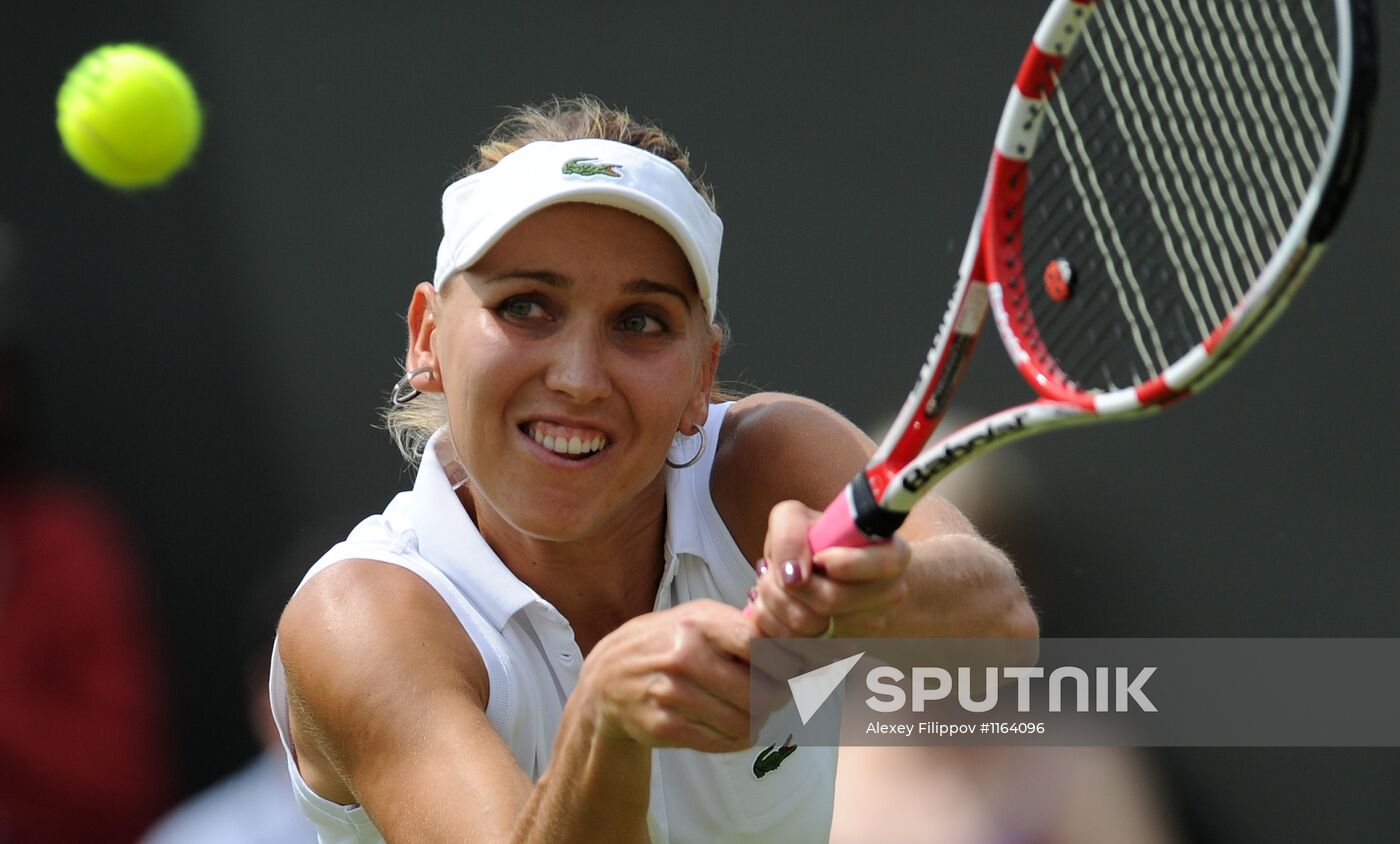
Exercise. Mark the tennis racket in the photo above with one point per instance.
(1164, 176)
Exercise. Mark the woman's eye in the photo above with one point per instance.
(521, 308)
(641, 324)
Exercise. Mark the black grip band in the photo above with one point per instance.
(873, 520)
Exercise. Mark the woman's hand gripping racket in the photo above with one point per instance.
(1165, 174)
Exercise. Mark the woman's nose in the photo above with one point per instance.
(578, 368)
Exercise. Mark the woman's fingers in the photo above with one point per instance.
(883, 561)
(802, 595)
(785, 547)
(677, 678)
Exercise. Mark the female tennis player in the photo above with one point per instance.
(534, 642)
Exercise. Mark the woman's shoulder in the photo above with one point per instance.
(385, 690)
(789, 407)
(777, 446)
(766, 427)
(366, 615)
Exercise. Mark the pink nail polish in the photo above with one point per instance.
(792, 573)
(753, 593)
(762, 566)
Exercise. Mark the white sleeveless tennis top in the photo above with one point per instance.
(533, 660)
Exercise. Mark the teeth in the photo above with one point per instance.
(562, 444)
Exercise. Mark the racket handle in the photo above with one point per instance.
(853, 519)
(837, 528)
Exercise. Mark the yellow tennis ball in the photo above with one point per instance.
(129, 116)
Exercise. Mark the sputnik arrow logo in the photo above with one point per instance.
(810, 690)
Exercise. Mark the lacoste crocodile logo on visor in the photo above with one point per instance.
(590, 167)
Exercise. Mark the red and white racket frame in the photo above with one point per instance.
(991, 278)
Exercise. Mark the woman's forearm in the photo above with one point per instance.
(597, 786)
(961, 585)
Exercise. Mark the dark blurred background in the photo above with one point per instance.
(213, 354)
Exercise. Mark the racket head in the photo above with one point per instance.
(1049, 253)
(1165, 175)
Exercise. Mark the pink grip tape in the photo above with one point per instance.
(836, 527)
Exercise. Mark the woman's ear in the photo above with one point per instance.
(422, 325)
(698, 410)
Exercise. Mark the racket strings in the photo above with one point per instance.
(1317, 111)
(1176, 153)
(1098, 212)
(1286, 102)
(1188, 184)
(1201, 177)
(1185, 134)
(1211, 171)
(1243, 154)
(1172, 181)
(1152, 178)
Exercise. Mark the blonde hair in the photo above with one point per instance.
(557, 119)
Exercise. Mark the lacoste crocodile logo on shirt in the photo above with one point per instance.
(771, 757)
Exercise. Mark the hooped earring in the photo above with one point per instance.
(404, 391)
(699, 429)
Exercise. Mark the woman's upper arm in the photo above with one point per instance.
(387, 701)
(775, 447)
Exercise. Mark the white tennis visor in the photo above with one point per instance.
(479, 209)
